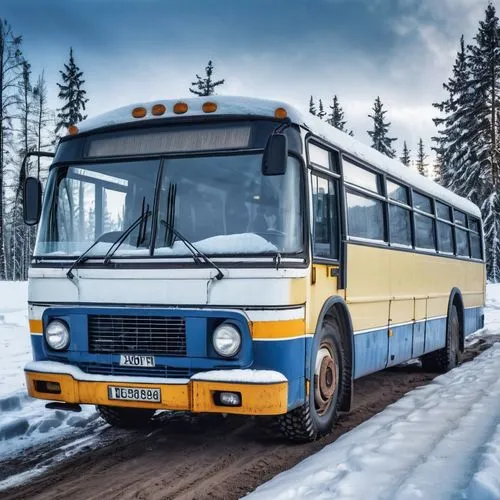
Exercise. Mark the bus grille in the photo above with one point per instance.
(137, 335)
(116, 369)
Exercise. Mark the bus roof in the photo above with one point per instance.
(248, 106)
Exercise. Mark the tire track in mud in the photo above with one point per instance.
(207, 456)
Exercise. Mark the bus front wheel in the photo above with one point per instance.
(126, 418)
(448, 357)
(316, 417)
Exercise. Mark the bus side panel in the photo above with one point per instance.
(418, 339)
(400, 344)
(472, 319)
(435, 334)
(370, 352)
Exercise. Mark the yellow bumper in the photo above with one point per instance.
(195, 396)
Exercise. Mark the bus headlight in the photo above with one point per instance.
(226, 340)
(57, 335)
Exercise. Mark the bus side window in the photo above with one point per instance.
(325, 239)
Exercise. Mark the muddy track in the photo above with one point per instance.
(206, 456)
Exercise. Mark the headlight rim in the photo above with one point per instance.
(240, 337)
(66, 345)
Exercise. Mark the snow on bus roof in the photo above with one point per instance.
(233, 105)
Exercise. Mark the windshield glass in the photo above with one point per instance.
(221, 203)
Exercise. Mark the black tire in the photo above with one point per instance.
(448, 357)
(317, 416)
(125, 418)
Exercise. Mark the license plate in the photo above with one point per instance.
(134, 360)
(134, 394)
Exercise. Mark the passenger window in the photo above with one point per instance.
(424, 232)
(319, 156)
(460, 218)
(462, 242)
(400, 225)
(421, 202)
(443, 211)
(397, 192)
(325, 218)
(365, 217)
(475, 246)
(360, 176)
(445, 237)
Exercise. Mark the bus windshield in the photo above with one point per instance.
(221, 203)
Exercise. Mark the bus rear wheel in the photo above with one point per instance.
(448, 357)
(317, 416)
(125, 418)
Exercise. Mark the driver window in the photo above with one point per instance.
(325, 226)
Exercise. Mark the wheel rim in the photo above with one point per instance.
(326, 374)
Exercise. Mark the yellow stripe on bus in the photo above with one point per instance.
(278, 329)
(36, 326)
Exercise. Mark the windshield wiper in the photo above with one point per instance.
(194, 251)
(117, 244)
(122, 235)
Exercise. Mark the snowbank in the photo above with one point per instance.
(25, 421)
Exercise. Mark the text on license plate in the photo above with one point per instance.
(134, 394)
(134, 360)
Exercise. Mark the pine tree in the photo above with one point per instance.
(336, 116)
(10, 67)
(421, 157)
(205, 86)
(321, 110)
(380, 139)
(41, 119)
(405, 155)
(312, 106)
(73, 95)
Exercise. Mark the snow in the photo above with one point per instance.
(440, 441)
(261, 107)
(24, 421)
(241, 376)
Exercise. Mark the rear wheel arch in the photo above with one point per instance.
(335, 307)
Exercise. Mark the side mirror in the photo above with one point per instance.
(275, 155)
(32, 201)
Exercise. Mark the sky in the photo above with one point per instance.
(141, 50)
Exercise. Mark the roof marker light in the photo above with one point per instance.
(158, 110)
(180, 108)
(209, 107)
(72, 130)
(139, 112)
(280, 113)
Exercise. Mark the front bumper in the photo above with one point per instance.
(262, 392)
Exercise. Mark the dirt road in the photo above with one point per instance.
(207, 456)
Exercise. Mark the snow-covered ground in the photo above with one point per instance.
(24, 421)
(440, 441)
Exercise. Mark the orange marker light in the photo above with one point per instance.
(180, 108)
(280, 113)
(139, 112)
(158, 110)
(73, 130)
(209, 107)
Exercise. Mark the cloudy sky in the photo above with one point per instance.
(140, 50)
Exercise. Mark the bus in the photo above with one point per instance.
(232, 255)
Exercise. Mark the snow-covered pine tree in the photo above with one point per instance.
(405, 155)
(421, 157)
(205, 86)
(380, 139)
(336, 116)
(491, 221)
(321, 110)
(41, 120)
(10, 67)
(72, 94)
(312, 106)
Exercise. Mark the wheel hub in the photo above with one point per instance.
(325, 379)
